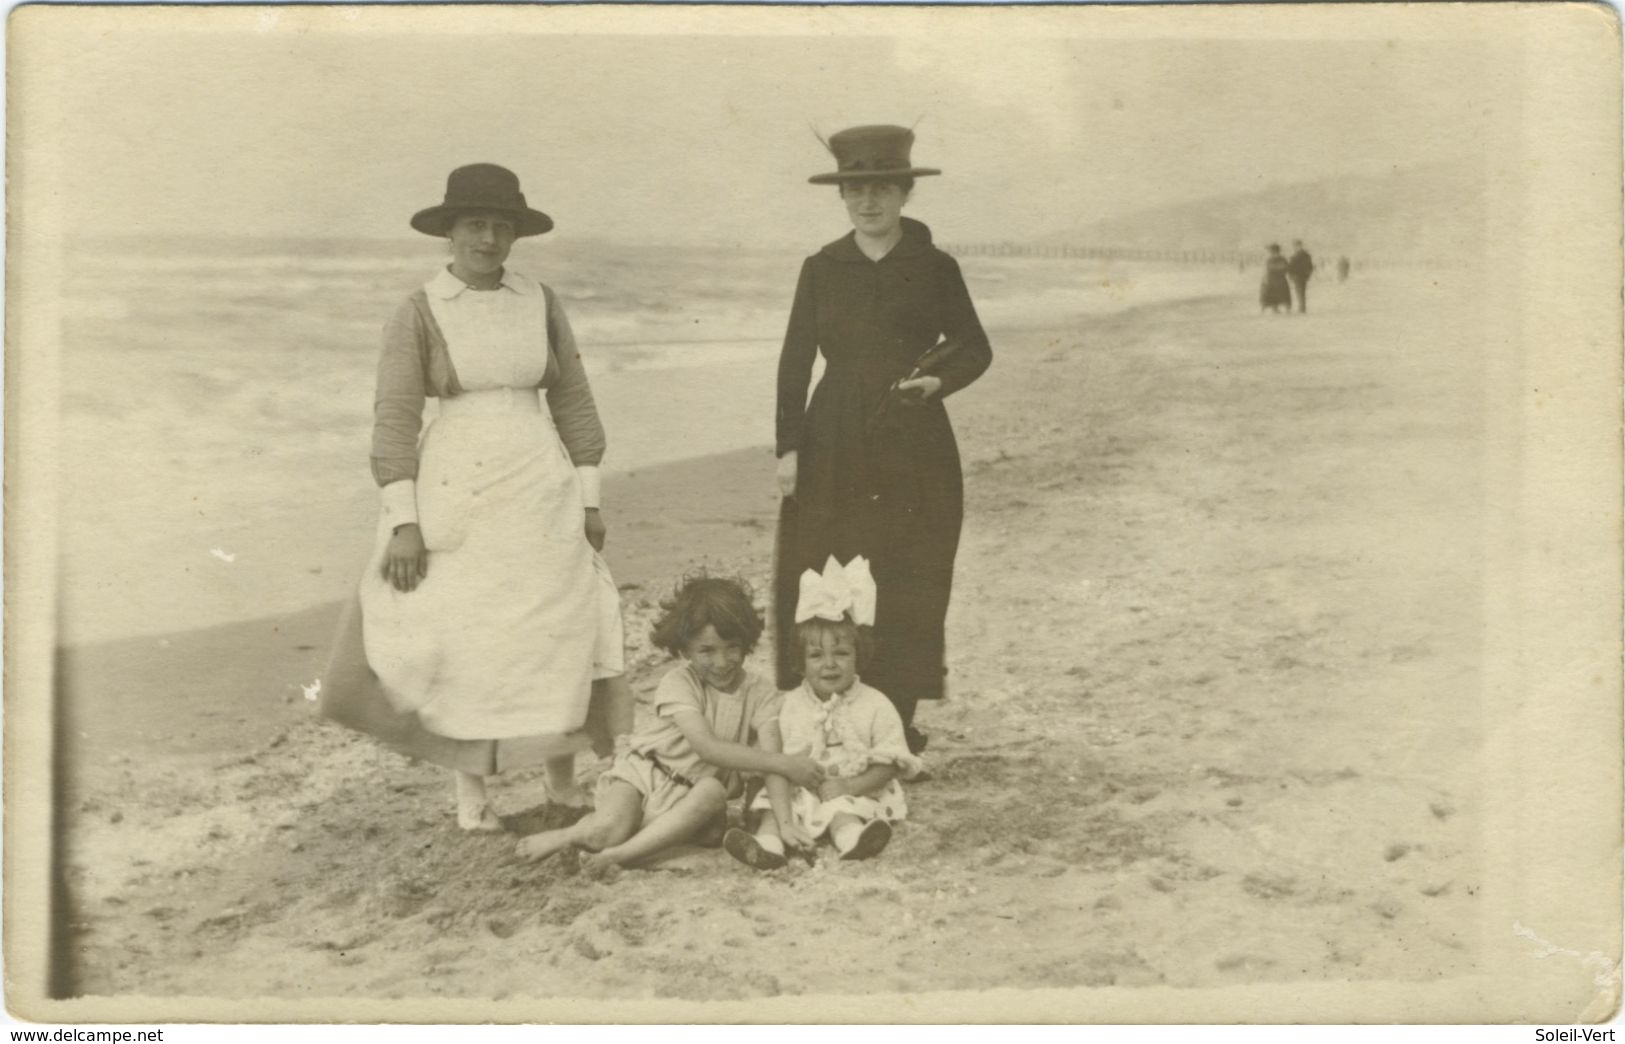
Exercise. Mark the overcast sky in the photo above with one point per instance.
(693, 136)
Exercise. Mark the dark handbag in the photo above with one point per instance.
(926, 365)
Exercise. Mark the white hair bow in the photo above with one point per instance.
(847, 589)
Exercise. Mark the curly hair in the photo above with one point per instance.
(700, 601)
(863, 638)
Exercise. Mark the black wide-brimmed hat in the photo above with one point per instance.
(879, 151)
(482, 186)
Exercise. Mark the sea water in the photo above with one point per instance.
(216, 393)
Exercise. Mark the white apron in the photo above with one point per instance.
(498, 640)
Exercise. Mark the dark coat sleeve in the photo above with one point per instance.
(959, 322)
(796, 362)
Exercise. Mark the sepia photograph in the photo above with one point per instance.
(793, 514)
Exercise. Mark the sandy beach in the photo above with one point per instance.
(1211, 561)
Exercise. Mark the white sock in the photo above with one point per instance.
(772, 842)
(845, 835)
(470, 793)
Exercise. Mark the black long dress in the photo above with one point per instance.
(894, 495)
(1275, 291)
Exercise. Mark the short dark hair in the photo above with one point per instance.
(700, 601)
(809, 631)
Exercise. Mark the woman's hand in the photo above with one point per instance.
(831, 789)
(787, 474)
(802, 771)
(406, 560)
(596, 530)
(919, 390)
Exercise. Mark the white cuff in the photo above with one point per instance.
(400, 503)
(588, 474)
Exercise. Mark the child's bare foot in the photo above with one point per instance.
(540, 846)
(479, 820)
(871, 840)
(596, 866)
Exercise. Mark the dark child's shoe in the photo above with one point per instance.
(916, 739)
(744, 847)
(871, 840)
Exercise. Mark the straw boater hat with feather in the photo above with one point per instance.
(879, 151)
(482, 186)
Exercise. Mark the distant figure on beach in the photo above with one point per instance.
(1342, 269)
(711, 718)
(486, 614)
(850, 729)
(1275, 294)
(858, 476)
(1300, 266)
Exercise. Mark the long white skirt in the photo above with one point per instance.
(498, 641)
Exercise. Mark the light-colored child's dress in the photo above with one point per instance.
(661, 763)
(852, 731)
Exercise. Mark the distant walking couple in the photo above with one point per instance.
(1286, 279)
(487, 633)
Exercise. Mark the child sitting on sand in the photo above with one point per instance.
(851, 730)
(689, 746)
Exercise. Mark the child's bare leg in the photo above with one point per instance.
(844, 829)
(685, 819)
(767, 824)
(609, 715)
(562, 788)
(473, 809)
(767, 832)
(620, 806)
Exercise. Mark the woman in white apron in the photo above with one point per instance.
(485, 613)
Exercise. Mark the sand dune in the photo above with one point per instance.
(1409, 215)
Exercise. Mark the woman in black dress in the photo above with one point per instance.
(1275, 293)
(890, 489)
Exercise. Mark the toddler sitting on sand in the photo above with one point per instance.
(849, 729)
(685, 755)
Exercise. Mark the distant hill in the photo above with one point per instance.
(1431, 212)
